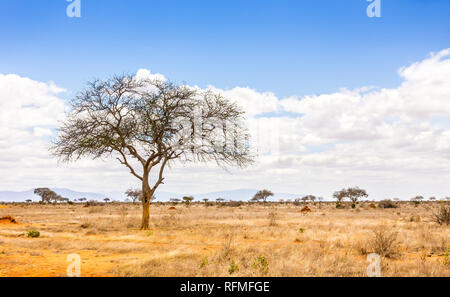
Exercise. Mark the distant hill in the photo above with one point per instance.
(9, 196)
(237, 195)
(243, 195)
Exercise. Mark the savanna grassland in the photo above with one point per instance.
(246, 240)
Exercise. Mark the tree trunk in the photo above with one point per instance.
(145, 216)
(147, 194)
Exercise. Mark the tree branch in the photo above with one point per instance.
(125, 162)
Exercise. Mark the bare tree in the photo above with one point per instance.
(417, 200)
(148, 124)
(307, 198)
(134, 194)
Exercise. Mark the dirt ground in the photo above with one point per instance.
(200, 240)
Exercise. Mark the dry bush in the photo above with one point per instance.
(95, 209)
(384, 243)
(387, 204)
(234, 204)
(272, 218)
(361, 247)
(443, 215)
(227, 248)
(415, 218)
(123, 213)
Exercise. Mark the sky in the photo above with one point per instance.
(334, 98)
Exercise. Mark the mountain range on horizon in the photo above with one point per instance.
(235, 195)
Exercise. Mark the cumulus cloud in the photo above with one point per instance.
(392, 141)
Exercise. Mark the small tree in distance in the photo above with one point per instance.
(134, 194)
(307, 198)
(354, 194)
(48, 196)
(148, 124)
(188, 199)
(417, 200)
(175, 201)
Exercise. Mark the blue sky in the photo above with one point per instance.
(271, 57)
(286, 47)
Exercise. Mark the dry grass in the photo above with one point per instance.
(247, 240)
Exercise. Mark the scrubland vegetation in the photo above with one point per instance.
(226, 239)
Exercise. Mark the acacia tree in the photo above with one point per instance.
(188, 199)
(148, 124)
(262, 195)
(48, 195)
(307, 198)
(354, 194)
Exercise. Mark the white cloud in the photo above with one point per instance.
(146, 74)
(394, 142)
(253, 102)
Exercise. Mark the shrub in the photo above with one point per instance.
(204, 262)
(387, 204)
(443, 216)
(261, 264)
(234, 204)
(415, 218)
(384, 243)
(233, 268)
(33, 234)
(446, 260)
